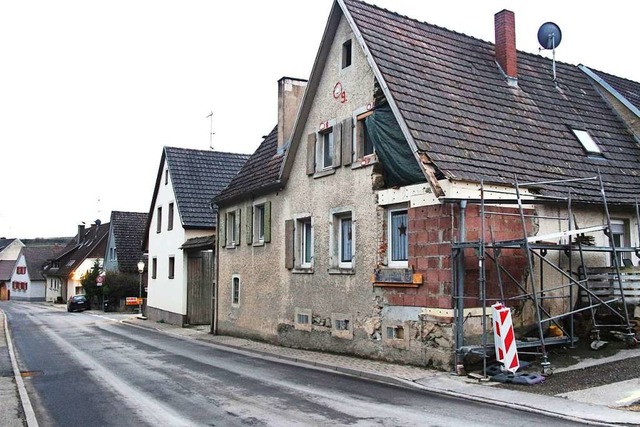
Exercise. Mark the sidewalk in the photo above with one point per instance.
(571, 406)
(11, 413)
(608, 411)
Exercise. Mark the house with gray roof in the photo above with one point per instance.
(124, 244)
(180, 233)
(10, 250)
(27, 282)
(416, 148)
(64, 272)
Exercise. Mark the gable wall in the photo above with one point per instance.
(110, 265)
(347, 188)
(12, 251)
(166, 295)
(35, 288)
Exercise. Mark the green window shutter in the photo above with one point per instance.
(289, 244)
(267, 222)
(249, 225)
(238, 225)
(222, 229)
(311, 153)
(337, 144)
(347, 142)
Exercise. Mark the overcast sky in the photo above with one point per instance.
(90, 91)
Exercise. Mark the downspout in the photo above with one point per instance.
(460, 285)
(214, 294)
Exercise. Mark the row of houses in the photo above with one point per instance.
(359, 224)
(52, 269)
(342, 231)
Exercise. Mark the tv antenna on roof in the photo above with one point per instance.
(549, 37)
(211, 132)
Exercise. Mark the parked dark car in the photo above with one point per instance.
(78, 302)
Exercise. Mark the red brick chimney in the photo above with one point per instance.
(506, 54)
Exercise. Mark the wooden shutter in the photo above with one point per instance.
(249, 226)
(222, 229)
(289, 257)
(267, 222)
(347, 141)
(311, 153)
(360, 138)
(337, 144)
(238, 226)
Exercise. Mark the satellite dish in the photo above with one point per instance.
(549, 35)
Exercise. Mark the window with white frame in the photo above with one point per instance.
(232, 225)
(258, 223)
(112, 254)
(342, 239)
(325, 149)
(398, 238)
(235, 290)
(305, 237)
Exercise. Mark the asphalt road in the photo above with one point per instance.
(85, 369)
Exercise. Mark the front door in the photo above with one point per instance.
(4, 292)
(199, 285)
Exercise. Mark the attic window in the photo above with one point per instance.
(346, 53)
(587, 142)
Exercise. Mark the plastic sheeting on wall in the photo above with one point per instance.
(400, 165)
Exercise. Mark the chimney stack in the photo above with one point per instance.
(290, 93)
(80, 233)
(506, 54)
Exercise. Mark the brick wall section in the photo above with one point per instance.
(431, 232)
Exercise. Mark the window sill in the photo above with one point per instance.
(323, 173)
(396, 277)
(257, 244)
(300, 270)
(345, 271)
(365, 161)
(231, 246)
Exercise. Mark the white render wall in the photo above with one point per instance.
(12, 251)
(164, 293)
(35, 288)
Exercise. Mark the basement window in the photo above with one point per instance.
(302, 319)
(395, 332)
(587, 142)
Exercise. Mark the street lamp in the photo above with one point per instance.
(140, 270)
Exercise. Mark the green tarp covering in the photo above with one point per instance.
(400, 165)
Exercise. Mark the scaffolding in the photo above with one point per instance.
(599, 292)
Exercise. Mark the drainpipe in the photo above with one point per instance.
(460, 283)
(214, 295)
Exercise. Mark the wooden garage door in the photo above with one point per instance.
(199, 284)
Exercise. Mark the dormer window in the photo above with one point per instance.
(587, 142)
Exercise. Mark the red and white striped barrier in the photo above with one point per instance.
(504, 338)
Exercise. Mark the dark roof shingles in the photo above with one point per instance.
(260, 172)
(128, 232)
(198, 176)
(473, 126)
